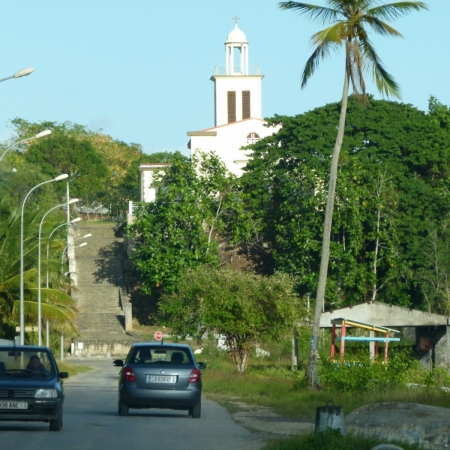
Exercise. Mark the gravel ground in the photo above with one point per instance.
(407, 422)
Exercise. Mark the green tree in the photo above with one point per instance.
(57, 306)
(349, 19)
(434, 275)
(129, 187)
(18, 177)
(394, 173)
(61, 153)
(100, 165)
(176, 231)
(243, 307)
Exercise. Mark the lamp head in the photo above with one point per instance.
(43, 133)
(24, 72)
(61, 177)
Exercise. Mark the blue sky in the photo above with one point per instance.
(140, 69)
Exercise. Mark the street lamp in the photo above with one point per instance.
(67, 246)
(20, 73)
(51, 234)
(74, 200)
(22, 316)
(37, 136)
(77, 219)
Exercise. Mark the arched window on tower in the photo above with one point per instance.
(252, 138)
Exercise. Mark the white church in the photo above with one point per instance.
(238, 118)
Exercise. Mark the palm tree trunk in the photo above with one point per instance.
(311, 371)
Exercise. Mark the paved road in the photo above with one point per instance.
(91, 422)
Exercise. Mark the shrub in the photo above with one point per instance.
(362, 374)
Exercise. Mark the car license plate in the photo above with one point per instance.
(161, 379)
(13, 405)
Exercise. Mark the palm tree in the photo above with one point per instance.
(349, 20)
(57, 307)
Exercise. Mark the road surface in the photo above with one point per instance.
(91, 422)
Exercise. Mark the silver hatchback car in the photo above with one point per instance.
(158, 375)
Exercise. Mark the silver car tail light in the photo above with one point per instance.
(128, 374)
(194, 377)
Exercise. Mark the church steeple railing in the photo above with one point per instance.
(221, 70)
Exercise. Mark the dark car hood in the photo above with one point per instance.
(27, 383)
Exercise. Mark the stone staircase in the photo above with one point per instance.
(98, 285)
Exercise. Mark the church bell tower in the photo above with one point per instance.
(237, 86)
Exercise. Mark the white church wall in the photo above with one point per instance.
(229, 140)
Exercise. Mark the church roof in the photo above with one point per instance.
(234, 123)
(236, 36)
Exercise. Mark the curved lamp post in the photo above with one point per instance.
(22, 315)
(37, 136)
(47, 328)
(74, 200)
(81, 245)
(67, 246)
(20, 73)
(50, 236)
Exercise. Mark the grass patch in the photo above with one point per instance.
(270, 382)
(72, 369)
(281, 394)
(331, 440)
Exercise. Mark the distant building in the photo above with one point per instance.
(237, 116)
(237, 107)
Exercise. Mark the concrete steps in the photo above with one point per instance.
(98, 275)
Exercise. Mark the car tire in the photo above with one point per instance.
(123, 409)
(56, 424)
(196, 411)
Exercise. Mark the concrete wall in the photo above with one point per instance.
(100, 348)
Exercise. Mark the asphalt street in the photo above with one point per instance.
(91, 422)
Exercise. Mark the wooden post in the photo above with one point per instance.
(386, 346)
(376, 346)
(333, 341)
(342, 349)
(372, 346)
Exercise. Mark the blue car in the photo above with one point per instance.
(31, 386)
(156, 375)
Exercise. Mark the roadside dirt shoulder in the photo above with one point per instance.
(263, 421)
(407, 422)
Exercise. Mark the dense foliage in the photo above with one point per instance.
(176, 231)
(243, 307)
(392, 193)
(57, 306)
(103, 172)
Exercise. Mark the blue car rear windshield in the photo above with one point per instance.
(158, 354)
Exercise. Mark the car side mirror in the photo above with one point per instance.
(63, 375)
(201, 365)
(118, 363)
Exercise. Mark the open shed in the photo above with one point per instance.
(374, 339)
(429, 333)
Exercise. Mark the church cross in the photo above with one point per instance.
(236, 18)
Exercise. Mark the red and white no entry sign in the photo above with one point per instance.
(158, 335)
